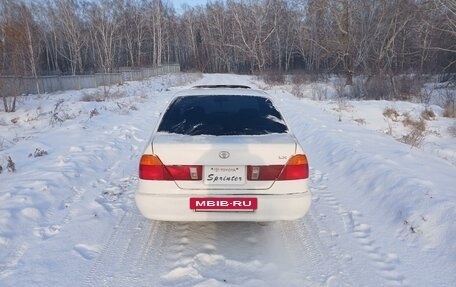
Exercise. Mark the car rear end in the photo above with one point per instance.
(210, 161)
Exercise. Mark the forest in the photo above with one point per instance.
(346, 37)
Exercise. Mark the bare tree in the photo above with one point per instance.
(133, 26)
(256, 24)
(104, 26)
(20, 49)
(71, 29)
(156, 30)
(442, 22)
(376, 38)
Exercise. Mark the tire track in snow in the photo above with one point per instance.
(314, 256)
(148, 253)
(345, 225)
(53, 227)
(16, 251)
(383, 264)
(134, 237)
(224, 253)
(71, 164)
(54, 218)
(120, 252)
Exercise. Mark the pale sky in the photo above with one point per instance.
(178, 3)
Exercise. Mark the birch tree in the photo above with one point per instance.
(104, 28)
(65, 16)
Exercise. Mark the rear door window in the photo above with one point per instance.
(222, 115)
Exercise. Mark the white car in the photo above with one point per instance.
(223, 153)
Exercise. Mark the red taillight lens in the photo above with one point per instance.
(263, 172)
(185, 172)
(152, 168)
(296, 168)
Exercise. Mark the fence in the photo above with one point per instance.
(10, 85)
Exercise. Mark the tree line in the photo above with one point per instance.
(350, 37)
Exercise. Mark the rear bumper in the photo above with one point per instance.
(174, 207)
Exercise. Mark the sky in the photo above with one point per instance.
(178, 3)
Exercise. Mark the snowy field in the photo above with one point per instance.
(383, 211)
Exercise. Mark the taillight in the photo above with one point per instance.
(263, 172)
(185, 172)
(152, 168)
(296, 168)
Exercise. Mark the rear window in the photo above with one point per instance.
(222, 115)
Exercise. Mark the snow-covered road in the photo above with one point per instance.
(382, 215)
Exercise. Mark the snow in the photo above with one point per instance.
(382, 215)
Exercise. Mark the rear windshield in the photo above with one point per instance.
(222, 115)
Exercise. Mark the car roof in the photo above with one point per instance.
(214, 90)
(219, 86)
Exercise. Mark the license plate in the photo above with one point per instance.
(224, 175)
(223, 204)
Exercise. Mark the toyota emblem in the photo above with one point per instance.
(224, 154)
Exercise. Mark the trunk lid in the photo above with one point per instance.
(224, 157)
